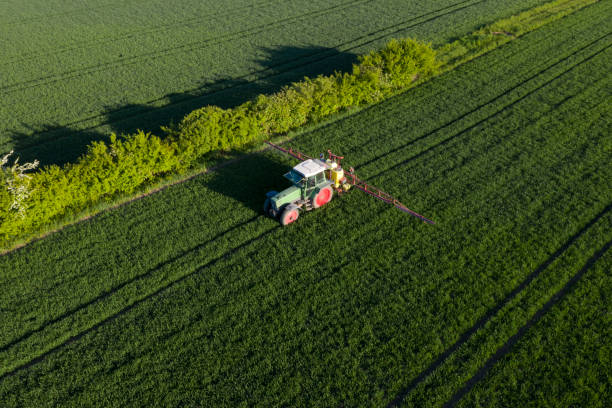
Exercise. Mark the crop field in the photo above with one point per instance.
(191, 297)
(71, 73)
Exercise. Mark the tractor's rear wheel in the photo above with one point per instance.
(289, 215)
(323, 197)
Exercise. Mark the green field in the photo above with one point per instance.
(190, 297)
(71, 73)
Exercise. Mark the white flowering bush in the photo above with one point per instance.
(16, 185)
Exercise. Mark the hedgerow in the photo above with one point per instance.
(106, 169)
(130, 161)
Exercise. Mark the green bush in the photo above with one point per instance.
(282, 111)
(213, 129)
(397, 65)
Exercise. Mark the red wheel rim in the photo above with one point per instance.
(292, 216)
(323, 197)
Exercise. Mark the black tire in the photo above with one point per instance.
(267, 206)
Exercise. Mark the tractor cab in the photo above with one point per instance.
(308, 175)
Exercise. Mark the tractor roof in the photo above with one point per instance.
(310, 167)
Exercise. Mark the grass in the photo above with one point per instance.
(82, 72)
(191, 297)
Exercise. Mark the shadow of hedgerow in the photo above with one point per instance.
(58, 144)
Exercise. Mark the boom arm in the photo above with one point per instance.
(381, 195)
(290, 152)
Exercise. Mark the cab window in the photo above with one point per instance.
(320, 178)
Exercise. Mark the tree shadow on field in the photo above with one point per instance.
(248, 179)
(52, 144)
(273, 69)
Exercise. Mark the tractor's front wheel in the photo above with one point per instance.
(289, 215)
(323, 197)
(267, 206)
(269, 209)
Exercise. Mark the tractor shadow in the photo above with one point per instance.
(249, 178)
(274, 69)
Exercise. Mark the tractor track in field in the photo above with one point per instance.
(129, 34)
(507, 347)
(105, 294)
(276, 70)
(189, 325)
(231, 295)
(478, 123)
(366, 36)
(195, 45)
(129, 307)
(480, 323)
(498, 145)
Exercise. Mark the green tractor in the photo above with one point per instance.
(311, 189)
(314, 182)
